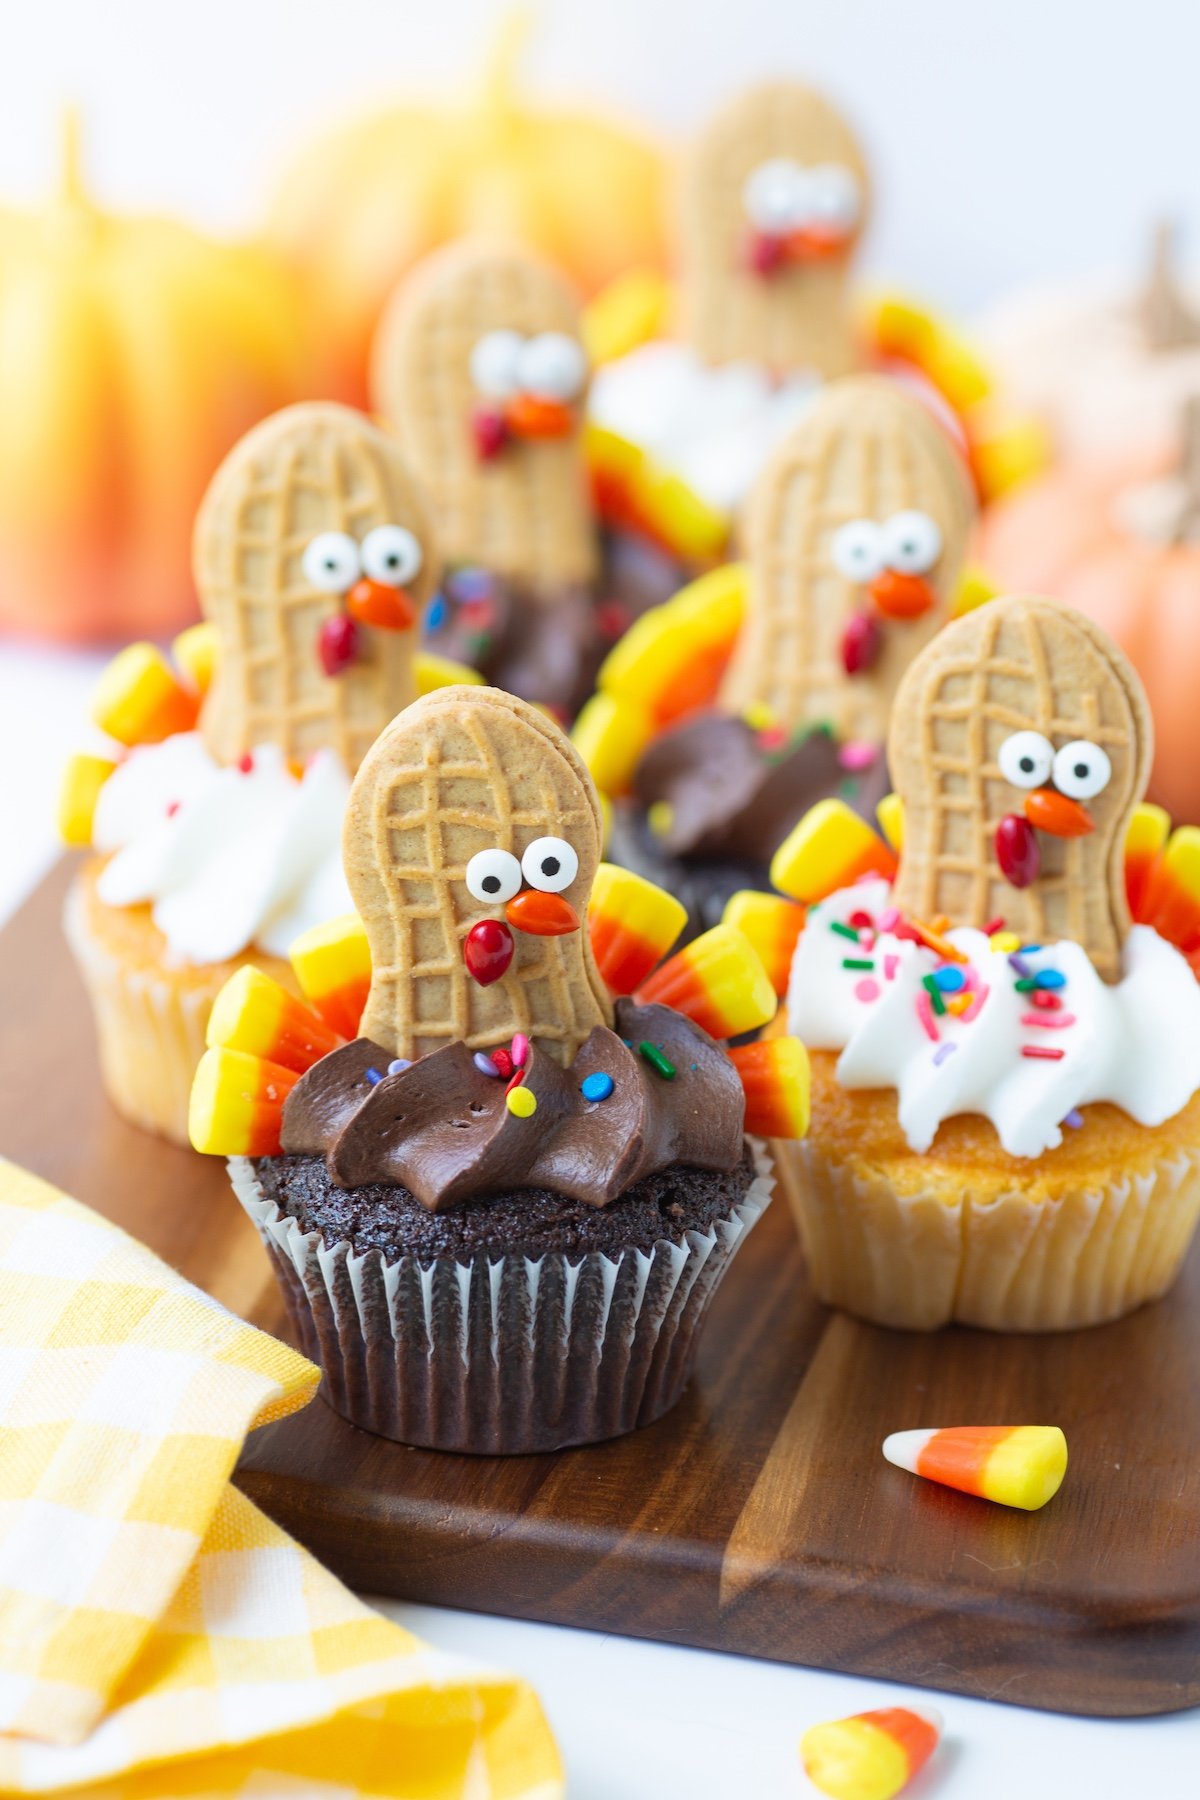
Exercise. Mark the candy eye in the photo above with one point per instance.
(912, 542)
(391, 554)
(494, 363)
(331, 562)
(552, 366)
(1026, 759)
(1082, 770)
(493, 876)
(858, 551)
(776, 196)
(834, 199)
(550, 865)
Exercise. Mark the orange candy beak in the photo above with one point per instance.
(1058, 814)
(815, 246)
(901, 596)
(528, 417)
(375, 603)
(542, 915)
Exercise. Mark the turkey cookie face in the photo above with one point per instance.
(314, 557)
(856, 535)
(472, 842)
(775, 200)
(1020, 747)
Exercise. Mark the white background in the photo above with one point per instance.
(1029, 139)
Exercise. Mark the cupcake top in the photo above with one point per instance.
(1001, 972)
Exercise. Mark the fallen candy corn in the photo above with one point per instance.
(772, 925)
(194, 653)
(632, 925)
(140, 700)
(871, 1756)
(83, 778)
(775, 1080)
(890, 813)
(670, 659)
(1015, 1465)
(332, 963)
(432, 672)
(254, 1014)
(717, 981)
(236, 1106)
(610, 734)
(828, 849)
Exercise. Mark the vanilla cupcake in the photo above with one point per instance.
(215, 821)
(1005, 1068)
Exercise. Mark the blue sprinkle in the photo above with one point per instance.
(1074, 1119)
(374, 1077)
(949, 980)
(1031, 949)
(1050, 978)
(398, 1067)
(942, 1052)
(596, 1087)
(695, 1068)
(435, 618)
(484, 1064)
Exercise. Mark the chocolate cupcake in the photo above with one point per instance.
(499, 1213)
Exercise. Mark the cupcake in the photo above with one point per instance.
(215, 819)
(1005, 1065)
(855, 537)
(498, 1212)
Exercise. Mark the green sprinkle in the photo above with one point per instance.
(846, 931)
(1026, 984)
(658, 1062)
(858, 962)
(931, 987)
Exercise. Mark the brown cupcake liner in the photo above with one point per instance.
(1009, 1263)
(503, 1357)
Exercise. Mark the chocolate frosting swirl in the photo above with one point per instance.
(732, 793)
(442, 1129)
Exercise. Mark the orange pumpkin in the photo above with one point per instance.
(1114, 539)
(361, 206)
(133, 354)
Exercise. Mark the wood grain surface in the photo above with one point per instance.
(759, 1516)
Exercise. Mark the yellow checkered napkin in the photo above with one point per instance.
(148, 1612)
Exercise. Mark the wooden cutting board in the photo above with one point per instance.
(759, 1516)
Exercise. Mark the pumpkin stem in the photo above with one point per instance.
(498, 95)
(1167, 320)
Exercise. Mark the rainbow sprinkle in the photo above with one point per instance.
(661, 1064)
(1046, 1052)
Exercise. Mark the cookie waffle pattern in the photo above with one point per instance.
(865, 450)
(469, 769)
(798, 318)
(149, 1613)
(526, 514)
(1016, 665)
(308, 469)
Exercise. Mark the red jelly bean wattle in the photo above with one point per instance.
(1017, 851)
(487, 951)
(860, 643)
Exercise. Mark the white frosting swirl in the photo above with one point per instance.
(1135, 1043)
(226, 857)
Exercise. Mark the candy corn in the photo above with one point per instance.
(830, 848)
(890, 813)
(140, 700)
(254, 1014)
(626, 312)
(433, 672)
(632, 925)
(1170, 900)
(332, 963)
(194, 653)
(610, 734)
(718, 982)
(871, 1756)
(902, 328)
(1015, 1465)
(83, 778)
(975, 588)
(670, 659)
(236, 1106)
(1145, 840)
(775, 1078)
(772, 925)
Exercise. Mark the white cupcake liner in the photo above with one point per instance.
(501, 1357)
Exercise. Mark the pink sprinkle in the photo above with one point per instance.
(866, 989)
(890, 964)
(976, 1007)
(889, 919)
(172, 809)
(866, 940)
(970, 978)
(1048, 1021)
(1047, 1052)
(857, 755)
(520, 1050)
(925, 1014)
(1045, 1000)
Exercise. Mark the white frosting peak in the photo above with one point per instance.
(1135, 1043)
(226, 857)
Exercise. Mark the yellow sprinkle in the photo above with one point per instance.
(660, 817)
(1005, 942)
(758, 716)
(521, 1102)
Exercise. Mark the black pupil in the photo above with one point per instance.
(490, 884)
(392, 559)
(331, 564)
(1027, 765)
(550, 865)
(1081, 770)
